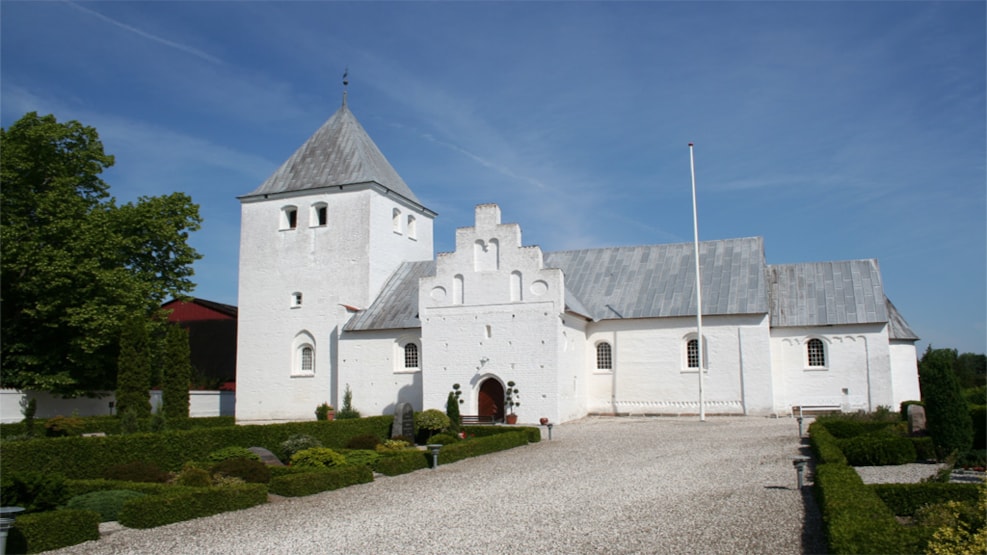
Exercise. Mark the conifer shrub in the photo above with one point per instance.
(107, 502)
(362, 457)
(946, 411)
(193, 476)
(296, 443)
(34, 491)
(317, 457)
(134, 369)
(252, 471)
(176, 374)
(136, 471)
(393, 445)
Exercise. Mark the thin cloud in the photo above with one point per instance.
(172, 44)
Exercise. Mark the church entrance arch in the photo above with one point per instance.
(490, 401)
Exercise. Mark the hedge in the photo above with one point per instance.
(157, 510)
(857, 520)
(843, 427)
(89, 457)
(402, 462)
(825, 447)
(482, 446)
(905, 499)
(978, 413)
(111, 425)
(878, 450)
(533, 433)
(308, 483)
(39, 532)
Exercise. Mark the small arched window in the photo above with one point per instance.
(692, 353)
(411, 228)
(410, 356)
(303, 355)
(396, 220)
(815, 351)
(320, 215)
(289, 217)
(604, 356)
(307, 362)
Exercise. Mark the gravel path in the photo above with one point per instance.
(603, 485)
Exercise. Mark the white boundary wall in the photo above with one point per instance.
(201, 404)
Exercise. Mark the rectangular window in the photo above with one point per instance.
(321, 213)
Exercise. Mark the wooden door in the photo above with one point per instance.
(490, 401)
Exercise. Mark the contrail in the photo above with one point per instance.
(155, 38)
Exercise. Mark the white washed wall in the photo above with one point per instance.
(201, 404)
(372, 363)
(574, 371)
(904, 373)
(491, 310)
(857, 374)
(651, 376)
(343, 263)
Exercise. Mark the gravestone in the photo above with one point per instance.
(266, 456)
(916, 419)
(404, 421)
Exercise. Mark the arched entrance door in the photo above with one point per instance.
(490, 401)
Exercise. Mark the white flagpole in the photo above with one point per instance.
(699, 292)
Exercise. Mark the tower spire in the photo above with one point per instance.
(346, 82)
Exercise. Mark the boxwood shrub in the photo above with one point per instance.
(402, 462)
(878, 450)
(533, 433)
(482, 446)
(39, 532)
(185, 504)
(825, 447)
(298, 484)
(106, 502)
(846, 427)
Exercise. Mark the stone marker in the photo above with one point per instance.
(266, 456)
(404, 421)
(916, 419)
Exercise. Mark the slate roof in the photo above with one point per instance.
(339, 153)
(617, 282)
(827, 293)
(660, 280)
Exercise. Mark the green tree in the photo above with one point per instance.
(134, 370)
(176, 374)
(75, 264)
(971, 370)
(946, 411)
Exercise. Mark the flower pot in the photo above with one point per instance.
(511, 418)
(543, 421)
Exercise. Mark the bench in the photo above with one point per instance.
(476, 419)
(815, 410)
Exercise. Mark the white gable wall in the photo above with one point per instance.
(372, 364)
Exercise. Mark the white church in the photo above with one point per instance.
(340, 288)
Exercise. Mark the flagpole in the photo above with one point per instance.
(699, 292)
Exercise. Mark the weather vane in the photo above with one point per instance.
(346, 82)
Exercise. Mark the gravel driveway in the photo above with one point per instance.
(602, 485)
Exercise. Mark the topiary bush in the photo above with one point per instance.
(107, 502)
(296, 443)
(136, 471)
(443, 439)
(362, 457)
(365, 441)
(249, 470)
(878, 450)
(317, 457)
(232, 452)
(34, 491)
(430, 422)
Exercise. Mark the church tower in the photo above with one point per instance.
(317, 240)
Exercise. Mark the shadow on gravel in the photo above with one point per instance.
(813, 533)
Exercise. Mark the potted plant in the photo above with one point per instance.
(510, 401)
(325, 412)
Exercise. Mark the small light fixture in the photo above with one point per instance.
(434, 449)
(484, 360)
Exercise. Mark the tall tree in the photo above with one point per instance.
(949, 421)
(134, 369)
(176, 373)
(74, 264)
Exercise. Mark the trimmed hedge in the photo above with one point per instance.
(533, 433)
(157, 510)
(857, 520)
(843, 427)
(878, 449)
(402, 462)
(107, 502)
(80, 487)
(111, 425)
(482, 446)
(825, 447)
(905, 499)
(89, 457)
(39, 532)
(308, 483)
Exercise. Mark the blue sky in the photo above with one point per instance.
(835, 130)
